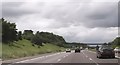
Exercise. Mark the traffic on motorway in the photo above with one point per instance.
(101, 55)
(104, 51)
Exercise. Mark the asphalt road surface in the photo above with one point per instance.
(84, 58)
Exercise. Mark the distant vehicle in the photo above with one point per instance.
(68, 50)
(77, 50)
(81, 48)
(117, 50)
(105, 51)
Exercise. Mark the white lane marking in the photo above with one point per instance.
(93, 61)
(90, 58)
(37, 58)
(84, 54)
(29, 60)
(59, 60)
(64, 56)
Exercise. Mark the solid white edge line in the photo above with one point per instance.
(37, 58)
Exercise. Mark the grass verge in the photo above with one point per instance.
(24, 48)
(0, 50)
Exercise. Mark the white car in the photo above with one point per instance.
(117, 50)
(68, 50)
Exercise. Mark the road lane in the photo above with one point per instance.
(76, 58)
(92, 55)
(54, 58)
(83, 58)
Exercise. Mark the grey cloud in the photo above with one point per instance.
(12, 4)
(119, 14)
(105, 17)
(103, 14)
(15, 9)
(98, 35)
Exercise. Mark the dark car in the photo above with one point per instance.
(77, 50)
(105, 51)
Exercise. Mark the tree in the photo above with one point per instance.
(28, 34)
(19, 35)
(9, 33)
(46, 37)
(36, 39)
(116, 41)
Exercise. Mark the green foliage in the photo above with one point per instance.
(16, 44)
(9, 33)
(115, 42)
(37, 39)
(23, 48)
(28, 34)
(0, 50)
(19, 36)
(46, 37)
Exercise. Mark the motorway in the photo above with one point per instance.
(62, 58)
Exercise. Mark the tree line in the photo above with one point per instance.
(10, 34)
(115, 42)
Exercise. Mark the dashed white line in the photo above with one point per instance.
(59, 60)
(90, 58)
(64, 56)
(93, 61)
(85, 54)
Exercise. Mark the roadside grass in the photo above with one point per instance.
(0, 50)
(24, 48)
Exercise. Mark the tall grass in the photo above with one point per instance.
(0, 50)
(24, 48)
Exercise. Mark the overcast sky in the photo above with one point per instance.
(75, 20)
